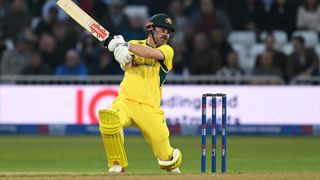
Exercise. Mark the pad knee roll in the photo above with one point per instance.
(173, 163)
(110, 122)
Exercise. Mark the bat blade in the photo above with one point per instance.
(82, 18)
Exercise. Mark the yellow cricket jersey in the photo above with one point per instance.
(143, 81)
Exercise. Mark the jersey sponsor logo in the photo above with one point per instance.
(135, 63)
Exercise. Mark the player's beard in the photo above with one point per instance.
(162, 40)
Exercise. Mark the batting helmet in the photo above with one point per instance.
(160, 20)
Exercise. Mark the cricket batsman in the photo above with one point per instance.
(146, 64)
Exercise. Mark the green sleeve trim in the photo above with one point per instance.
(163, 66)
(163, 73)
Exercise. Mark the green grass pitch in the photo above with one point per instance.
(85, 154)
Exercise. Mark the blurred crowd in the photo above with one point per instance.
(38, 38)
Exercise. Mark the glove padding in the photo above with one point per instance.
(115, 42)
(122, 55)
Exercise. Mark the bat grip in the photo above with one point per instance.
(106, 42)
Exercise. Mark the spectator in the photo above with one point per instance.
(189, 35)
(31, 37)
(64, 40)
(180, 60)
(3, 47)
(190, 7)
(220, 44)
(279, 58)
(48, 49)
(90, 50)
(46, 23)
(36, 66)
(116, 21)
(210, 18)
(256, 16)
(204, 60)
(303, 61)
(282, 16)
(220, 4)
(264, 65)
(232, 68)
(72, 65)
(296, 3)
(3, 10)
(95, 8)
(136, 30)
(13, 61)
(176, 12)
(17, 19)
(267, 4)
(106, 65)
(36, 6)
(156, 7)
(62, 16)
(309, 16)
(253, 15)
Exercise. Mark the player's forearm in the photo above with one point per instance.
(146, 52)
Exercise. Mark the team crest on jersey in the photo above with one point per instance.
(168, 21)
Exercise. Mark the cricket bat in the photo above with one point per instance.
(84, 19)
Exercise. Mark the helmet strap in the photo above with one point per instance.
(150, 29)
(154, 39)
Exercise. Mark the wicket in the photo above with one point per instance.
(214, 132)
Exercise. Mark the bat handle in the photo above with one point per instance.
(106, 42)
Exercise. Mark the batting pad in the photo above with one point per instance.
(112, 137)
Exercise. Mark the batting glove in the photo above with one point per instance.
(122, 55)
(115, 42)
